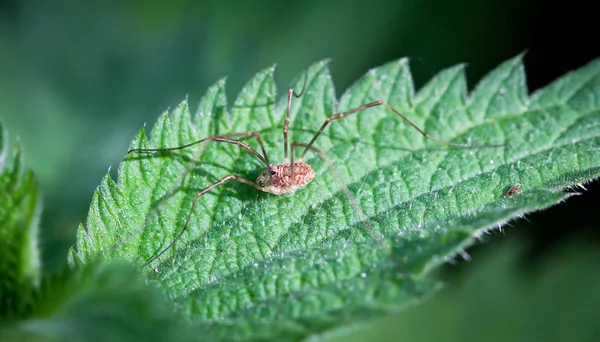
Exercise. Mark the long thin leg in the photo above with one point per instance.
(218, 138)
(345, 189)
(205, 141)
(379, 103)
(198, 195)
(286, 122)
(354, 203)
(215, 138)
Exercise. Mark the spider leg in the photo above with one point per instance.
(217, 138)
(286, 122)
(345, 189)
(189, 216)
(379, 103)
(405, 274)
(204, 142)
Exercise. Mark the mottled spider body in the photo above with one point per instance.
(283, 179)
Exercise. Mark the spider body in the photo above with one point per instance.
(283, 179)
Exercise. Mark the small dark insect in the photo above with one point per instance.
(513, 190)
(287, 177)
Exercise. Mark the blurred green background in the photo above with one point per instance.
(78, 79)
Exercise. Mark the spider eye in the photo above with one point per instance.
(273, 172)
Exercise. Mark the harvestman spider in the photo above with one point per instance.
(287, 177)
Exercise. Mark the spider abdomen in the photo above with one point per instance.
(278, 179)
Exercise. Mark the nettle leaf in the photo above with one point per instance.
(257, 266)
(19, 215)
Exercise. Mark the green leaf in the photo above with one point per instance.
(97, 303)
(255, 265)
(19, 215)
(501, 299)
